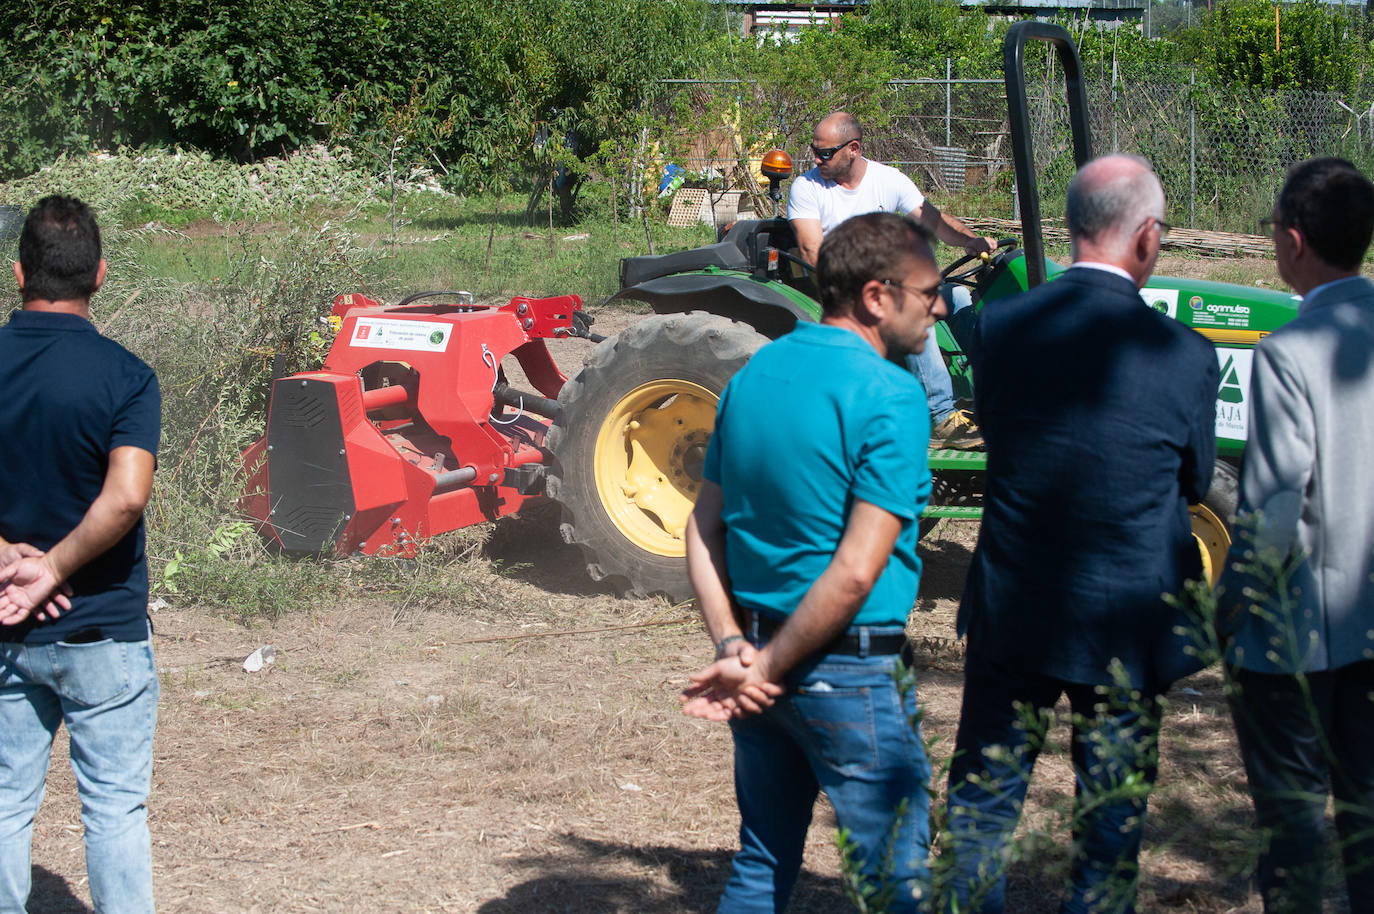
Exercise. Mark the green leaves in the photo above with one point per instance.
(458, 81)
(467, 86)
(1318, 47)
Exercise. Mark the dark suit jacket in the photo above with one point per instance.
(1099, 418)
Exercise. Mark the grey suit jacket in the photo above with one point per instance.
(1309, 473)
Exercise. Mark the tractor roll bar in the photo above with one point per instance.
(1014, 72)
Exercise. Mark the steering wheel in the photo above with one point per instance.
(955, 273)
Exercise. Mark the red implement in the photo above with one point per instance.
(409, 429)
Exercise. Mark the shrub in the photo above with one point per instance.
(196, 182)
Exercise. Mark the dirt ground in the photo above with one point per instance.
(527, 754)
(522, 750)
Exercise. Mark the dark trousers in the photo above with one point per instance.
(1304, 738)
(1002, 727)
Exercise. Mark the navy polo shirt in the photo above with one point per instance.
(68, 397)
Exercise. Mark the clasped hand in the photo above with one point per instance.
(29, 586)
(735, 686)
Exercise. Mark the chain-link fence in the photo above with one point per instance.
(1221, 152)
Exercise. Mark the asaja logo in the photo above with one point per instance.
(436, 337)
(1195, 302)
(1160, 305)
(1230, 391)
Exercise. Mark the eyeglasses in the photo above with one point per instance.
(825, 155)
(927, 295)
(1268, 224)
(1163, 226)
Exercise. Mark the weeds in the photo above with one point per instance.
(214, 350)
(179, 186)
(867, 896)
(215, 342)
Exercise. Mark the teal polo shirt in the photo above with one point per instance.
(68, 397)
(815, 420)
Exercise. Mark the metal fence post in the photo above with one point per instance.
(1192, 149)
(947, 105)
(1115, 146)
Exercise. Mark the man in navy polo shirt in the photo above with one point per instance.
(802, 552)
(79, 425)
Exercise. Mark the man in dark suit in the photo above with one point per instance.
(1098, 414)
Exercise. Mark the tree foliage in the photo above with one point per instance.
(921, 34)
(786, 86)
(494, 95)
(1318, 47)
(465, 82)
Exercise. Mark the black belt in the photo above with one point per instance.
(849, 643)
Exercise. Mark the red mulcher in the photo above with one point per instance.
(410, 428)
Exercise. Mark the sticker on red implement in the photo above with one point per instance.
(416, 336)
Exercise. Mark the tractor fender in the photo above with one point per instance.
(771, 308)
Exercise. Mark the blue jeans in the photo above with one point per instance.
(844, 726)
(1001, 729)
(106, 693)
(928, 365)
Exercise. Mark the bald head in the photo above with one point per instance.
(835, 147)
(837, 128)
(1115, 210)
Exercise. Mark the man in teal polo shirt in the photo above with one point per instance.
(802, 552)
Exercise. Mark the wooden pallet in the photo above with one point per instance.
(687, 206)
(1196, 241)
(698, 204)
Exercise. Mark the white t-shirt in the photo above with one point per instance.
(883, 189)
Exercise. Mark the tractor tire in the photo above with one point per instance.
(1212, 518)
(629, 445)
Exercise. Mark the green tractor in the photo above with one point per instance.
(629, 444)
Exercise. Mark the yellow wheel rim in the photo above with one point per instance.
(1213, 540)
(647, 464)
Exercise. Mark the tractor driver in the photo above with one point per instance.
(845, 184)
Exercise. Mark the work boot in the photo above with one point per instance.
(957, 431)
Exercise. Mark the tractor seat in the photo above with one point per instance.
(725, 255)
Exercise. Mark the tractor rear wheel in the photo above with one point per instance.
(1212, 519)
(629, 446)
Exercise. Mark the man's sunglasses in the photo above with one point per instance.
(825, 155)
